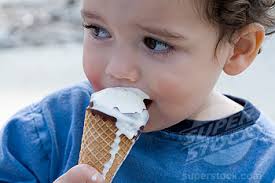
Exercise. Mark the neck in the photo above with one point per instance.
(217, 106)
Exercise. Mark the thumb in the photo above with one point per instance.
(81, 174)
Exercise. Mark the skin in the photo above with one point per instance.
(81, 174)
(178, 74)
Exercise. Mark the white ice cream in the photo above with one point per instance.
(127, 106)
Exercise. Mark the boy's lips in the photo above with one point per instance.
(147, 103)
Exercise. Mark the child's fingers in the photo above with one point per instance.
(81, 174)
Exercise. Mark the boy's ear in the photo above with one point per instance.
(247, 43)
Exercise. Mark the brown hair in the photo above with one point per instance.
(231, 15)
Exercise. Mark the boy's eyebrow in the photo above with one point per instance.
(162, 32)
(157, 31)
(92, 15)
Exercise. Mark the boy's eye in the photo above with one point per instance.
(98, 32)
(156, 45)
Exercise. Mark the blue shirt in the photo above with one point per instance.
(42, 141)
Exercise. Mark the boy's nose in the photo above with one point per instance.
(122, 66)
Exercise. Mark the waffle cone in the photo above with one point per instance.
(98, 136)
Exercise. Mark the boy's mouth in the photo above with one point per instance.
(147, 103)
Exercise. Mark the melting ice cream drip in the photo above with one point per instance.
(130, 131)
(113, 152)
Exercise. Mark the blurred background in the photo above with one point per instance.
(41, 52)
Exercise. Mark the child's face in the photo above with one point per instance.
(128, 45)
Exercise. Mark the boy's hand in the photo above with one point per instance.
(81, 174)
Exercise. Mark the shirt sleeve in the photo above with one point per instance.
(24, 148)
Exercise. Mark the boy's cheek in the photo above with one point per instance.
(94, 64)
(93, 73)
(167, 88)
(95, 80)
(174, 95)
(96, 84)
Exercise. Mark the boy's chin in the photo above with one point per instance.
(149, 127)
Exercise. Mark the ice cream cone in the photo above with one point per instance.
(112, 125)
(98, 136)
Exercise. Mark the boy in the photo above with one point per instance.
(175, 52)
